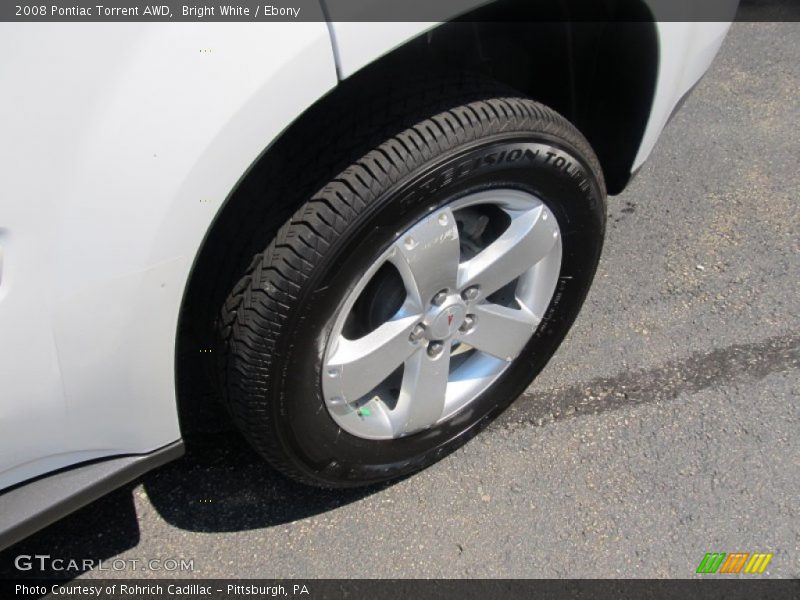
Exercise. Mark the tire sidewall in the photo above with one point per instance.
(551, 169)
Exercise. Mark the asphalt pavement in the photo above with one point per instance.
(664, 428)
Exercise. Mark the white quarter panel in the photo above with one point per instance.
(359, 43)
(685, 53)
(120, 142)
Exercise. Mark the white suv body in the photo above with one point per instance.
(120, 144)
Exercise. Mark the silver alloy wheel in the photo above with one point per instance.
(465, 317)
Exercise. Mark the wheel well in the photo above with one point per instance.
(597, 69)
(595, 63)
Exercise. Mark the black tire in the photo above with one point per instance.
(274, 324)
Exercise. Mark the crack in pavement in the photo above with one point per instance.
(645, 386)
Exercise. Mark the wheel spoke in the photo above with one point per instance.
(357, 366)
(527, 240)
(500, 331)
(428, 255)
(422, 393)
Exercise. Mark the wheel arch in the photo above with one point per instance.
(595, 63)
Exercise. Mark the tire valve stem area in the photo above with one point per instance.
(363, 409)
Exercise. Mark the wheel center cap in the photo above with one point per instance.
(445, 320)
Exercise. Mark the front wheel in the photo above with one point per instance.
(416, 295)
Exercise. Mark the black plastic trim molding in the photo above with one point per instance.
(35, 504)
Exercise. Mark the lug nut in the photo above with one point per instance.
(435, 349)
(468, 324)
(470, 294)
(416, 333)
(439, 298)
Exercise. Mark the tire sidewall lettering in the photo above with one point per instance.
(487, 160)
